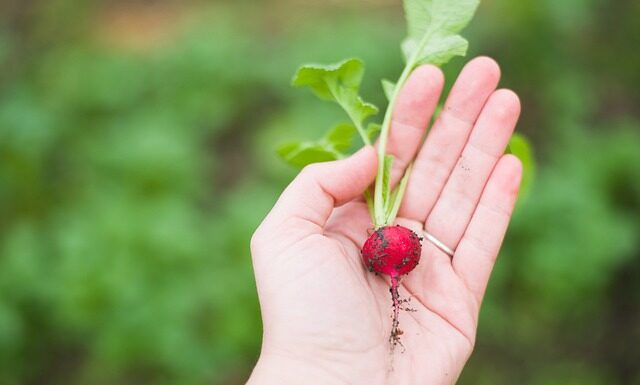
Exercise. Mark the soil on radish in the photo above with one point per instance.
(394, 251)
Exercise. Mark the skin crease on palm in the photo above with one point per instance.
(326, 318)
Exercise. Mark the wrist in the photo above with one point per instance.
(274, 369)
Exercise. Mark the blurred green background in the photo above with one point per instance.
(137, 143)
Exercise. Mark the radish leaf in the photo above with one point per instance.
(433, 37)
(388, 87)
(339, 82)
(302, 154)
(433, 27)
(333, 146)
(439, 51)
(519, 146)
(372, 131)
(341, 137)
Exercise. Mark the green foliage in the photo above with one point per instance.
(338, 140)
(118, 256)
(340, 83)
(433, 27)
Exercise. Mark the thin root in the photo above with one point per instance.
(396, 332)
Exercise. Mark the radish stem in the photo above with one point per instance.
(381, 219)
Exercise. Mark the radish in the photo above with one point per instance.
(433, 27)
(393, 251)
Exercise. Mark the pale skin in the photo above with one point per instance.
(326, 318)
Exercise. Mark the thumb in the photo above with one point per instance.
(320, 187)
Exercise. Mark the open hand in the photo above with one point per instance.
(326, 318)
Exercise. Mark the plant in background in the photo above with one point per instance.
(433, 38)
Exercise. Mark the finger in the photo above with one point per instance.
(414, 107)
(457, 202)
(447, 137)
(478, 249)
(305, 205)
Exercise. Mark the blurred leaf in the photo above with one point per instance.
(372, 131)
(338, 140)
(302, 154)
(341, 137)
(388, 87)
(520, 146)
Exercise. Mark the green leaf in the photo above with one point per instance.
(439, 50)
(331, 147)
(339, 82)
(519, 146)
(427, 16)
(433, 27)
(304, 153)
(388, 87)
(358, 109)
(346, 74)
(341, 137)
(372, 131)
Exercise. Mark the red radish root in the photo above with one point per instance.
(393, 251)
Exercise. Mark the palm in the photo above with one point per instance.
(319, 303)
(351, 308)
